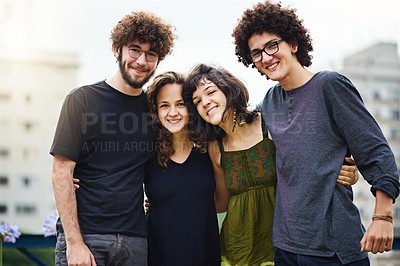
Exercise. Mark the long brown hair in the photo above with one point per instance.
(164, 148)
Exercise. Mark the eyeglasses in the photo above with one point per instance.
(270, 49)
(136, 52)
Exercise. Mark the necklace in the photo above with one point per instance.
(241, 123)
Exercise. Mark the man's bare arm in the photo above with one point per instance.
(77, 251)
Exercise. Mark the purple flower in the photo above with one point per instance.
(49, 226)
(9, 232)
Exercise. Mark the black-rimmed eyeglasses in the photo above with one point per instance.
(136, 52)
(270, 49)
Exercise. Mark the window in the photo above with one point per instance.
(3, 181)
(25, 209)
(4, 153)
(28, 98)
(377, 96)
(396, 115)
(4, 97)
(28, 153)
(395, 133)
(3, 209)
(28, 125)
(26, 181)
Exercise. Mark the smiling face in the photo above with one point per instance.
(210, 102)
(135, 72)
(171, 109)
(278, 66)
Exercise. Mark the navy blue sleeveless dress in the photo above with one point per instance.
(182, 222)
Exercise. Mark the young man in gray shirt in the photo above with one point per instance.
(315, 120)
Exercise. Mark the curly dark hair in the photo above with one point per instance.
(236, 93)
(146, 28)
(275, 19)
(164, 148)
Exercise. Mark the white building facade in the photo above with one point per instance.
(33, 85)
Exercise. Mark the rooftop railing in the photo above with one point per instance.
(26, 242)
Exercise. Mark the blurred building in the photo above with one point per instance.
(375, 71)
(33, 85)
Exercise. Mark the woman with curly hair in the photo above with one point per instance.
(101, 139)
(182, 220)
(315, 119)
(242, 149)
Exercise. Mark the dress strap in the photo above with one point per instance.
(263, 127)
(220, 145)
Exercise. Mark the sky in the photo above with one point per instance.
(339, 28)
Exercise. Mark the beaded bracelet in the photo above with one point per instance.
(387, 218)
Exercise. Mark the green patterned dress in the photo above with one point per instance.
(246, 233)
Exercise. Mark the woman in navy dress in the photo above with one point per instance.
(180, 184)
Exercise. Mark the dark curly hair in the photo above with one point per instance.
(164, 148)
(146, 28)
(236, 93)
(275, 19)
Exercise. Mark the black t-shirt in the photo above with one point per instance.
(108, 134)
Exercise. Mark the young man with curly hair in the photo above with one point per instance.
(103, 138)
(315, 119)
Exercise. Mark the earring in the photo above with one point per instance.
(234, 120)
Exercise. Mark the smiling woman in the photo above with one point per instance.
(182, 222)
(172, 111)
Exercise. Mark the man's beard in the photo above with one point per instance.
(133, 83)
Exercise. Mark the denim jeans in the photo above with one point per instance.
(285, 258)
(108, 250)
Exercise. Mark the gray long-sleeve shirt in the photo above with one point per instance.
(314, 127)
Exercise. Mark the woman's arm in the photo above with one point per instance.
(221, 192)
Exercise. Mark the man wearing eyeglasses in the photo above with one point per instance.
(315, 120)
(103, 138)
